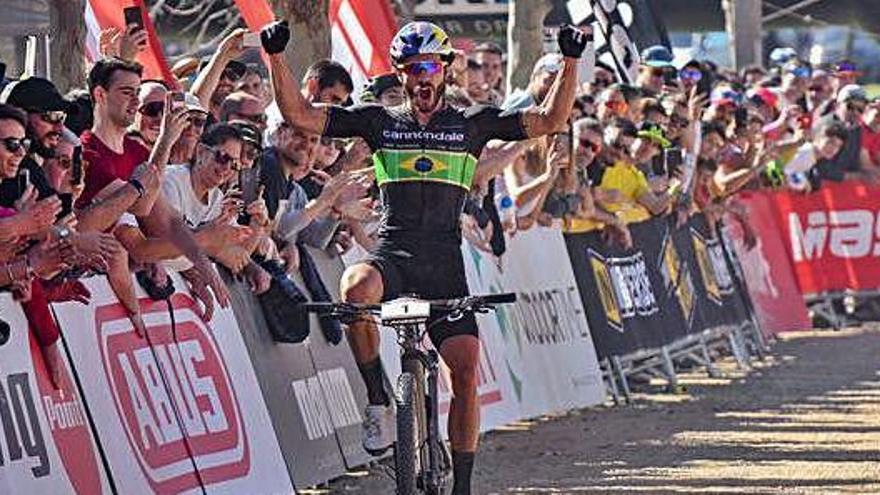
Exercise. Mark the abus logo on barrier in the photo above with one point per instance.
(624, 287)
(845, 234)
(174, 397)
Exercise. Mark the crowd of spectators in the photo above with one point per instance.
(148, 177)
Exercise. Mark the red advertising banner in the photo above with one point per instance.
(776, 297)
(832, 236)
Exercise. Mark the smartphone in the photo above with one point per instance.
(178, 100)
(76, 167)
(24, 178)
(66, 205)
(658, 165)
(251, 40)
(672, 160)
(248, 182)
(133, 16)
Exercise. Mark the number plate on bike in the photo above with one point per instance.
(405, 311)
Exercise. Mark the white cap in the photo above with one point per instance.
(550, 62)
(193, 104)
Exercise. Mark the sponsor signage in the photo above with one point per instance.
(182, 406)
(46, 443)
(832, 236)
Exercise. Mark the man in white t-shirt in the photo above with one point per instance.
(827, 142)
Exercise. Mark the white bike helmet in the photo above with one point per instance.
(419, 38)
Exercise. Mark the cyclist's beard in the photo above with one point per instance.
(426, 98)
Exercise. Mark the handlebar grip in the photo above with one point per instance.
(507, 298)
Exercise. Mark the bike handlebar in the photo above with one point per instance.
(468, 303)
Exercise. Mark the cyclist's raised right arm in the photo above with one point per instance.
(295, 108)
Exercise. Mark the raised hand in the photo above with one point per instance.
(132, 42)
(572, 41)
(275, 37)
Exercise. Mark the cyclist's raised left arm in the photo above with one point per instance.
(552, 114)
(554, 111)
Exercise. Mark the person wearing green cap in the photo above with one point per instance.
(626, 177)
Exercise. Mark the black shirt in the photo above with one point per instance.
(424, 172)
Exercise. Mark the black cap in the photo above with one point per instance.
(249, 133)
(35, 94)
(382, 83)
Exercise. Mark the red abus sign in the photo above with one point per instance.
(174, 396)
(832, 236)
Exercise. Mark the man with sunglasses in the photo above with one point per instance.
(851, 103)
(219, 74)
(46, 110)
(148, 120)
(425, 155)
(656, 62)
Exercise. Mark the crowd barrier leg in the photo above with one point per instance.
(669, 369)
(610, 380)
(711, 369)
(736, 348)
(621, 374)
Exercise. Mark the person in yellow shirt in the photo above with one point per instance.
(625, 177)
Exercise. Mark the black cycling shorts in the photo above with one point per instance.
(427, 271)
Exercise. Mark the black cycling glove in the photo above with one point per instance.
(275, 36)
(572, 41)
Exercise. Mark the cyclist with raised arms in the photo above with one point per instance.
(426, 158)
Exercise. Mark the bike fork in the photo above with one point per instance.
(435, 473)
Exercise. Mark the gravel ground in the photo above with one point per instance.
(804, 421)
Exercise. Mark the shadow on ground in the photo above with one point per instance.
(805, 421)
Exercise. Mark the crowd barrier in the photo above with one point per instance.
(675, 281)
(219, 407)
(823, 246)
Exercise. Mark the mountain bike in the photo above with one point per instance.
(422, 460)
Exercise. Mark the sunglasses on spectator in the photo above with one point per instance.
(856, 107)
(816, 89)
(225, 159)
(232, 74)
(53, 117)
(690, 75)
(198, 121)
(14, 145)
(800, 72)
(152, 109)
(595, 148)
(427, 67)
(602, 82)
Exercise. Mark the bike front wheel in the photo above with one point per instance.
(407, 443)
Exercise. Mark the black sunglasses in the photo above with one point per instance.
(223, 158)
(14, 145)
(152, 109)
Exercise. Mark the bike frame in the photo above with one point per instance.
(425, 366)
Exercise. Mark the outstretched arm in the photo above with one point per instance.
(553, 112)
(295, 108)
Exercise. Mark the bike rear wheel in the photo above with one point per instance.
(406, 450)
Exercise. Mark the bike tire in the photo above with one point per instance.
(406, 450)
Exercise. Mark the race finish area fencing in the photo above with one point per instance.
(221, 407)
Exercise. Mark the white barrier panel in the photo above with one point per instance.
(545, 346)
(47, 445)
(179, 411)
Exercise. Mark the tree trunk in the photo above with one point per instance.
(68, 43)
(743, 22)
(405, 10)
(310, 31)
(525, 39)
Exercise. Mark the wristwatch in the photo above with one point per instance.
(136, 184)
(63, 232)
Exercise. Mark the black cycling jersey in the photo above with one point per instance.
(424, 172)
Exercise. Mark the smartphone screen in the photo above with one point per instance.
(251, 40)
(672, 159)
(133, 16)
(66, 205)
(248, 182)
(178, 99)
(658, 165)
(76, 167)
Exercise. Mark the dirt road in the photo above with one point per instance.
(806, 421)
